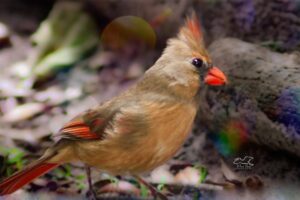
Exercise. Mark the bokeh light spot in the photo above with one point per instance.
(128, 30)
(229, 140)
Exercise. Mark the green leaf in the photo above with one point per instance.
(160, 186)
(15, 156)
(202, 172)
(144, 190)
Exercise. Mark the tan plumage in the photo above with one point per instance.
(143, 127)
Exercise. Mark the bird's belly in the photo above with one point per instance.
(139, 160)
(142, 158)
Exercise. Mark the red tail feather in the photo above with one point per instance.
(21, 178)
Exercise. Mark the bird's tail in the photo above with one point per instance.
(25, 176)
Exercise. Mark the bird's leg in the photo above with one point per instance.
(152, 189)
(91, 193)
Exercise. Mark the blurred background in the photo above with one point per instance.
(59, 58)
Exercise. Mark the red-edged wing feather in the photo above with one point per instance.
(77, 129)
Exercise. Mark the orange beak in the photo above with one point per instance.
(215, 77)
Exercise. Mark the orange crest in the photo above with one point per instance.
(193, 26)
(192, 35)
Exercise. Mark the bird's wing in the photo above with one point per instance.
(87, 126)
(120, 117)
(111, 119)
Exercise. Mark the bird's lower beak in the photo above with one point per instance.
(215, 77)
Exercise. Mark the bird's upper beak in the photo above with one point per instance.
(215, 77)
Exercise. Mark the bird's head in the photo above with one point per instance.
(185, 61)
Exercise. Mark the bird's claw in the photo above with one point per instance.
(91, 195)
(152, 189)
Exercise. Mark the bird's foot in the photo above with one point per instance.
(217, 185)
(155, 193)
(91, 195)
(158, 194)
(254, 182)
(250, 182)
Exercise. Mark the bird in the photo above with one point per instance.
(144, 126)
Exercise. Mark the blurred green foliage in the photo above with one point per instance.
(273, 45)
(144, 190)
(202, 173)
(13, 160)
(65, 37)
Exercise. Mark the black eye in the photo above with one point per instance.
(197, 62)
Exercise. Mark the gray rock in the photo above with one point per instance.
(261, 103)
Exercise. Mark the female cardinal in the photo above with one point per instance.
(143, 127)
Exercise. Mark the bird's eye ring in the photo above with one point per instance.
(197, 62)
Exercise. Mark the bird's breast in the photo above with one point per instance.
(167, 129)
